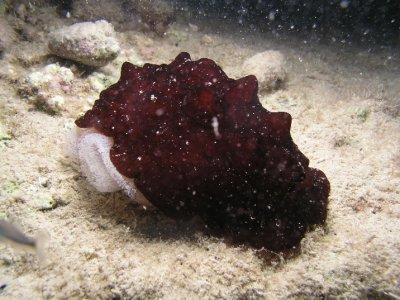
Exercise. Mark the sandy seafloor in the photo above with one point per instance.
(344, 102)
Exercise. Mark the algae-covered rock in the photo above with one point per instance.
(5, 136)
(42, 201)
(90, 43)
(11, 187)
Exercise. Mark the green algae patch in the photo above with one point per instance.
(11, 187)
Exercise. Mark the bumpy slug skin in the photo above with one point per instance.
(197, 143)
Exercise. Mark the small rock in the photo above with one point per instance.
(341, 141)
(55, 103)
(88, 252)
(90, 43)
(47, 87)
(100, 81)
(207, 40)
(269, 69)
(5, 136)
(362, 114)
(42, 201)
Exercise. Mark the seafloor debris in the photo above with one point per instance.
(7, 35)
(156, 14)
(90, 43)
(197, 143)
(5, 136)
(46, 88)
(268, 67)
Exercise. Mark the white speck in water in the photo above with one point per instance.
(271, 15)
(344, 3)
(160, 112)
(215, 126)
(139, 158)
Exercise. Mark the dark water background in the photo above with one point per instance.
(349, 21)
(372, 22)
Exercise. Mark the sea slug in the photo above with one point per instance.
(197, 143)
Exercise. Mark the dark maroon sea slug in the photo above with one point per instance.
(197, 143)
